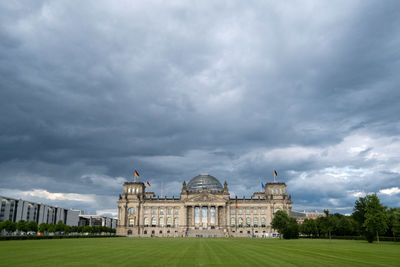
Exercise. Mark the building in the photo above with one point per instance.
(97, 220)
(301, 216)
(16, 210)
(204, 209)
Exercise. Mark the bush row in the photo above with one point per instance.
(34, 237)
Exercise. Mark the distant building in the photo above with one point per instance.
(301, 216)
(16, 210)
(97, 220)
(204, 209)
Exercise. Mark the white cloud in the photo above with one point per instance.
(43, 195)
(390, 191)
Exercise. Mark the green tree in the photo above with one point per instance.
(280, 221)
(394, 222)
(51, 228)
(287, 227)
(60, 227)
(309, 227)
(32, 226)
(9, 226)
(22, 226)
(371, 215)
(43, 227)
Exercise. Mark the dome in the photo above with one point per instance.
(204, 182)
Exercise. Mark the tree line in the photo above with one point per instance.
(369, 219)
(24, 227)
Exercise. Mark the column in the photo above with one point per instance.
(216, 217)
(193, 216)
(227, 217)
(208, 216)
(185, 219)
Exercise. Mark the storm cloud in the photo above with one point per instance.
(91, 90)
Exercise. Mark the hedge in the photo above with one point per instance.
(34, 237)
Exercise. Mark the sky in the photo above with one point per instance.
(91, 90)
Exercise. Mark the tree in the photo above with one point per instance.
(371, 215)
(22, 226)
(287, 227)
(9, 226)
(309, 227)
(291, 230)
(43, 227)
(32, 226)
(60, 227)
(394, 222)
(51, 228)
(279, 221)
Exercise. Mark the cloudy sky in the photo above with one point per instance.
(90, 90)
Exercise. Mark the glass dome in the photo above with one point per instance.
(204, 182)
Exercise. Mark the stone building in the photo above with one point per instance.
(204, 209)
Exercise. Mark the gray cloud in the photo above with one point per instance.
(90, 91)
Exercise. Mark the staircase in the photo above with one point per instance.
(205, 233)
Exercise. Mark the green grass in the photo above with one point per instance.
(197, 252)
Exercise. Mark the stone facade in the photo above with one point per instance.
(203, 211)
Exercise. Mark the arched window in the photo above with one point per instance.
(248, 222)
(240, 222)
(176, 222)
(153, 221)
(233, 222)
(161, 212)
(131, 222)
(146, 221)
(129, 232)
(132, 211)
(161, 221)
(169, 221)
(262, 222)
(255, 222)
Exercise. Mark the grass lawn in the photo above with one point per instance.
(197, 252)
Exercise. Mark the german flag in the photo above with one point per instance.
(275, 173)
(136, 174)
(148, 184)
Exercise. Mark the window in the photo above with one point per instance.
(154, 212)
(145, 232)
(169, 212)
(161, 212)
(146, 221)
(240, 211)
(262, 222)
(255, 222)
(176, 212)
(153, 221)
(169, 221)
(232, 211)
(247, 212)
(129, 190)
(161, 221)
(132, 211)
(160, 231)
(248, 222)
(131, 222)
(254, 211)
(240, 222)
(262, 211)
(146, 211)
(176, 222)
(233, 222)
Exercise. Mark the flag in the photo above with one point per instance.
(148, 184)
(275, 173)
(262, 185)
(136, 174)
(236, 203)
